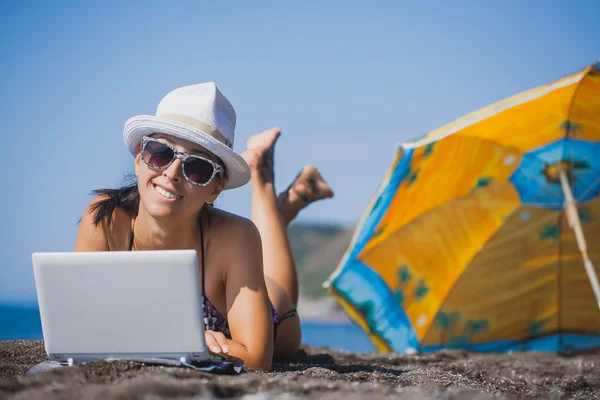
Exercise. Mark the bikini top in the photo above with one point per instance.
(213, 319)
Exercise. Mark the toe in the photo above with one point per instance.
(317, 184)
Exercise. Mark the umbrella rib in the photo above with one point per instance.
(523, 230)
(588, 189)
(572, 103)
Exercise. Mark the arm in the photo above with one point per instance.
(90, 237)
(248, 310)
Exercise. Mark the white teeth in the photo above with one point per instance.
(165, 193)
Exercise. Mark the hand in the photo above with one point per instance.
(216, 342)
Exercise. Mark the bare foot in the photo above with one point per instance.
(308, 186)
(259, 154)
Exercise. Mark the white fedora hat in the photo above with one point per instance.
(198, 113)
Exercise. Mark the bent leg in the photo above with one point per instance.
(278, 265)
(271, 215)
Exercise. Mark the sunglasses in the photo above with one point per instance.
(196, 169)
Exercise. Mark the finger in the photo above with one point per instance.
(222, 340)
(211, 342)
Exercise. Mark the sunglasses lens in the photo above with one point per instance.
(197, 170)
(157, 154)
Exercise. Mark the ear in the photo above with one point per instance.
(136, 164)
(217, 189)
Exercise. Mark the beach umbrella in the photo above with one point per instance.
(484, 234)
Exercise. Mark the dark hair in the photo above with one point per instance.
(126, 197)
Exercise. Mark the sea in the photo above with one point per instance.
(23, 323)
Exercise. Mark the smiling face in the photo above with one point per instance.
(166, 192)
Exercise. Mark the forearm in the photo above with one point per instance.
(254, 359)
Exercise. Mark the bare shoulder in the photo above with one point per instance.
(237, 238)
(98, 232)
(232, 226)
(238, 247)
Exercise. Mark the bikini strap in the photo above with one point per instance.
(289, 314)
(202, 254)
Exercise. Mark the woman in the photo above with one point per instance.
(183, 160)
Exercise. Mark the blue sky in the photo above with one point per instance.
(344, 80)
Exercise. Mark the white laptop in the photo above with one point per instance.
(128, 305)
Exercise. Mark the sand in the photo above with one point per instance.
(319, 372)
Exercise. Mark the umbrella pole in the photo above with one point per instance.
(575, 224)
